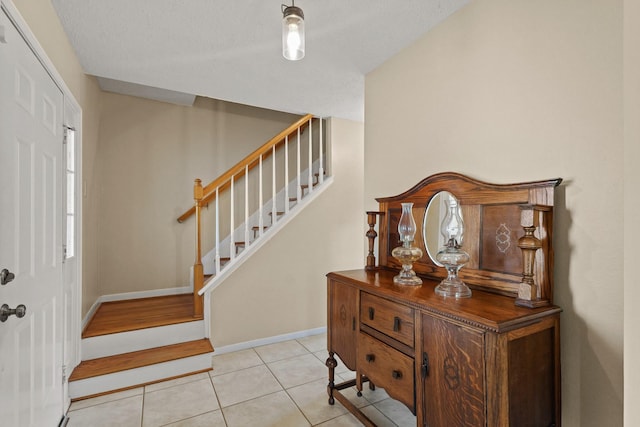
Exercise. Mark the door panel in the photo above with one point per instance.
(343, 312)
(454, 379)
(31, 109)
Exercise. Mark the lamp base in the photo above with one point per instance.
(407, 277)
(455, 288)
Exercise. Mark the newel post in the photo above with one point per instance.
(198, 271)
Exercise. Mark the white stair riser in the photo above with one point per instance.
(138, 376)
(141, 339)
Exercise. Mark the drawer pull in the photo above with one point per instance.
(372, 312)
(396, 324)
(353, 323)
(396, 375)
(425, 365)
(370, 357)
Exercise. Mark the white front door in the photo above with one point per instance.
(31, 179)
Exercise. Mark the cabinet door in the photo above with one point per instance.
(453, 374)
(342, 317)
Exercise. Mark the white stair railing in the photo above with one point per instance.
(243, 218)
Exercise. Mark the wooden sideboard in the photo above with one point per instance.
(479, 361)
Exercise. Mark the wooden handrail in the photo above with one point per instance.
(209, 191)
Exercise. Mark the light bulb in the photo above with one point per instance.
(293, 38)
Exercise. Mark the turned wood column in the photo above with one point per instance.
(198, 271)
(372, 219)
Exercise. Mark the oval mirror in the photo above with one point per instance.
(433, 216)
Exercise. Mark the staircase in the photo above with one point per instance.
(141, 341)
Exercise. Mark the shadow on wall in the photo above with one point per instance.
(580, 362)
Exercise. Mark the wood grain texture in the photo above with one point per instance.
(129, 315)
(137, 359)
(490, 363)
(394, 320)
(388, 368)
(343, 322)
(501, 273)
(454, 386)
(484, 309)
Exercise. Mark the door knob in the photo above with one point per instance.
(6, 276)
(5, 312)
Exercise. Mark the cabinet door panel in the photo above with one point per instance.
(454, 381)
(342, 318)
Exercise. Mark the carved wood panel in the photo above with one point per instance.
(343, 322)
(454, 384)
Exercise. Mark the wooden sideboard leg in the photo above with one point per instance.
(331, 364)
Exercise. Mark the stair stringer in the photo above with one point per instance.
(268, 234)
(209, 259)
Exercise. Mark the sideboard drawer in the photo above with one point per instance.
(388, 368)
(392, 319)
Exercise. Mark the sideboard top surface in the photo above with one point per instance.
(484, 310)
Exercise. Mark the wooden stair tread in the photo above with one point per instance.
(138, 359)
(130, 315)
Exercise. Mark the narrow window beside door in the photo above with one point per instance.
(71, 192)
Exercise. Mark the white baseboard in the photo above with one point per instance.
(269, 340)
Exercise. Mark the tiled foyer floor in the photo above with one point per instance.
(276, 385)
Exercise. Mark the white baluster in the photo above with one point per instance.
(246, 207)
(298, 180)
(274, 205)
(232, 240)
(321, 168)
(310, 178)
(260, 211)
(286, 174)
(217, 231)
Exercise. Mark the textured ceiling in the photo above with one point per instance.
(231, 50)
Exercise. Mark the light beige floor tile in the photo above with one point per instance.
(344, 376)
(346, 420)
(378, 417)
(178, 402)
(298, 370)
(313, 401)
(125, 412)
(373, 396)
(280, 350)
(351, 393)
(397, 412)
(349, 420)
(245, 384)
(314, 343)
(106, 398)
(210, 419)
(230, 362)
(273, 410)
(176, 381)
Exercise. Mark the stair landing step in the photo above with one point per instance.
(129, 315)
(137, 359)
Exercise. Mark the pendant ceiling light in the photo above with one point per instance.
(292, 32)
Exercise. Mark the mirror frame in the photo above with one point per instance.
(484, 206)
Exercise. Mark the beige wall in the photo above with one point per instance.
(282, 288)
(516, 90)
(150, 153)
(44, 24)
(632, 207)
